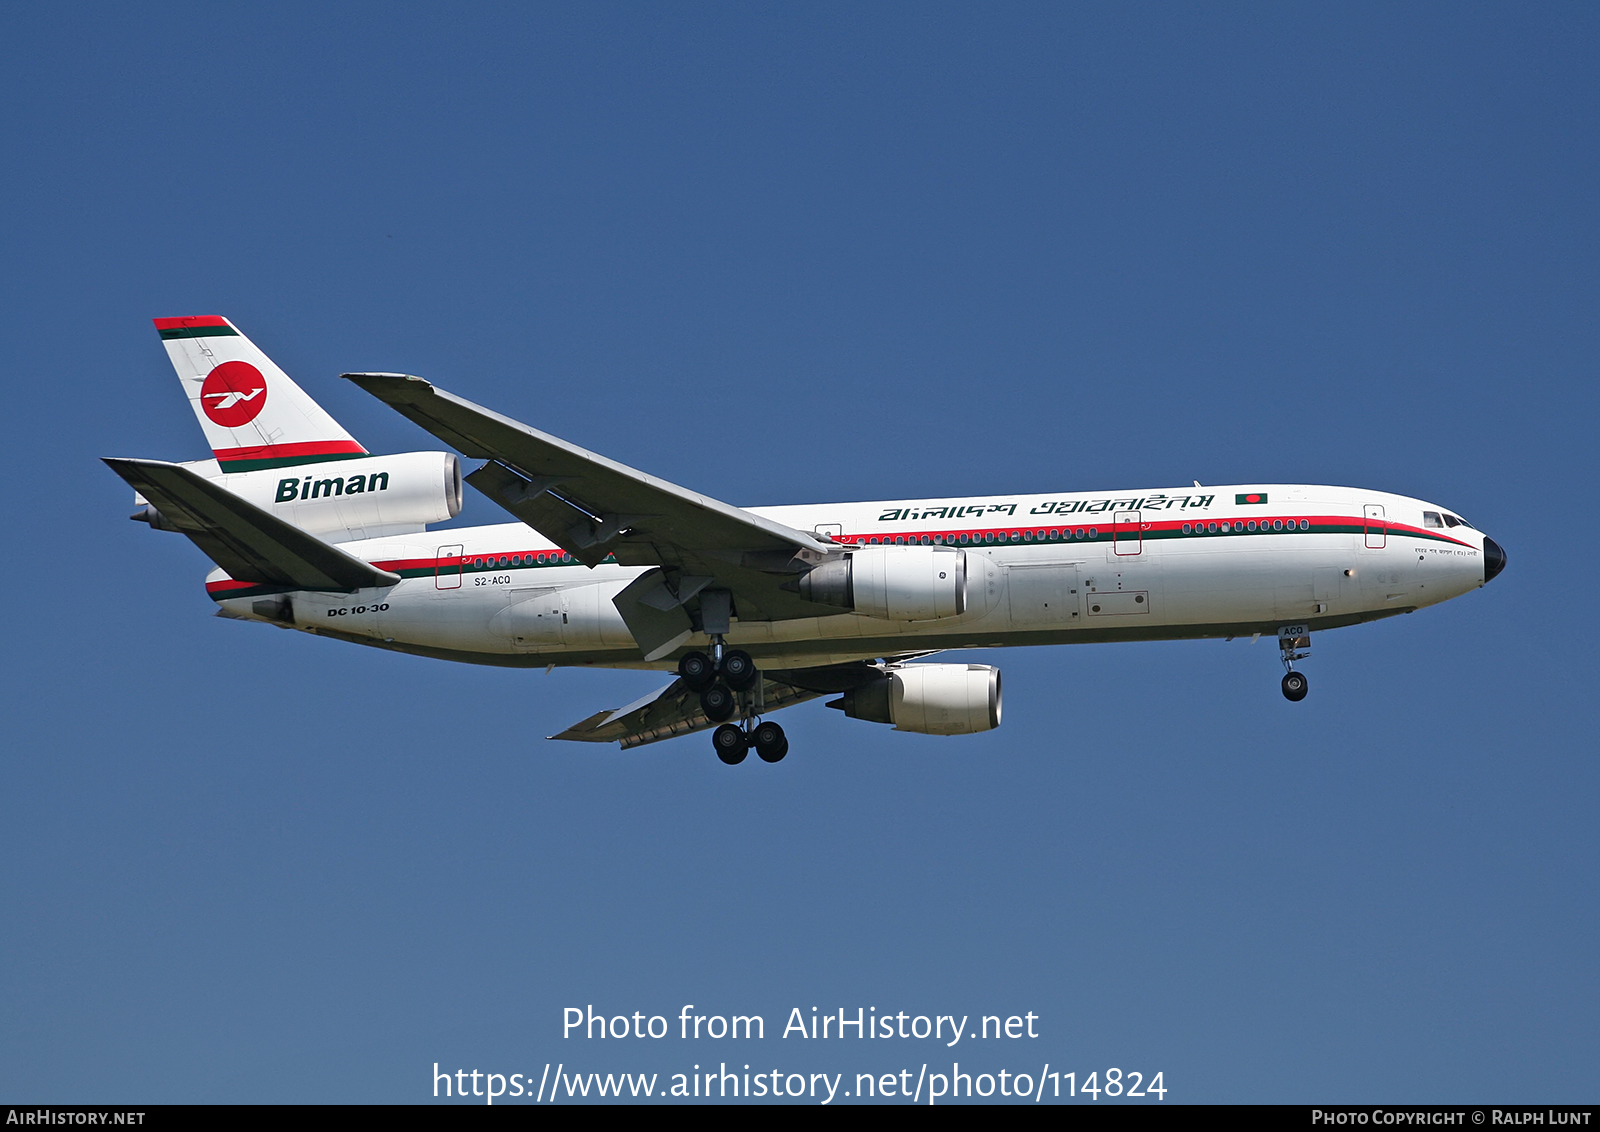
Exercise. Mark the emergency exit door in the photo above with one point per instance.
(447, 568)
(1377, 531)
(1127, 533)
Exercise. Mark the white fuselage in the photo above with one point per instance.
(1040, 569)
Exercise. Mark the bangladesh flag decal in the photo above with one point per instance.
(1250, 497)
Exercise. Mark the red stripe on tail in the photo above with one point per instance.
(192, 320)
(290, 451)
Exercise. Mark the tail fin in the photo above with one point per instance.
(252, 414)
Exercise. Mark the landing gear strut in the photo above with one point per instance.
(1294, 643)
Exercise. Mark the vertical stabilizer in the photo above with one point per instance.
(252, 414)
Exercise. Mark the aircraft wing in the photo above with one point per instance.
(675, 710)
(594, 508)
(249, 543)
(666, 714)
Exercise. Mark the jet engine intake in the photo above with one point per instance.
(930, 699)
(896, 583)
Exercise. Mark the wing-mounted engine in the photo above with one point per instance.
(931, 699)
(903, 583)
(365, 497)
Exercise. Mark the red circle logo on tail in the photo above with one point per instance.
(233, 394)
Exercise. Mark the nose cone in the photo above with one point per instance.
(1494, 559)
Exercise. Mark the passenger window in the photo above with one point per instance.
(1431, 519)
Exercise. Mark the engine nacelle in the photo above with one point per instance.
(896, 583)
(931, 699)
(367, 497)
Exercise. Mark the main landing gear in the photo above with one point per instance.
(1294, 643)
(720, 679)
(733, 742)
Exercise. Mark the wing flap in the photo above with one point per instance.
(249, 543)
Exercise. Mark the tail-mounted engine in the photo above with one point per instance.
(931, 699)
(365, 497)
(896, 583)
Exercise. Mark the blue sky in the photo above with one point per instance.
(785, 254)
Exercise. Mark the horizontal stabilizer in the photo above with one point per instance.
(247, 542)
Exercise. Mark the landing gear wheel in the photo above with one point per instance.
(730, 743)
(718, 703)
(738, 670)
(770, 742)
(697, 671)
(1295, 687)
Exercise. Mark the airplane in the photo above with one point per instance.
(753, 609)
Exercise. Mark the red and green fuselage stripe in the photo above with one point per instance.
(989, 536)
(1151, 531)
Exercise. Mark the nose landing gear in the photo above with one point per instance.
(1294, 643)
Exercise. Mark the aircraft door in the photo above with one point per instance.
(1127, 537)
(1377, 533)
(447, 568)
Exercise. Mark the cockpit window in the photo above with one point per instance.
(1431, 519)
(1451, 520)
(1454, 519)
